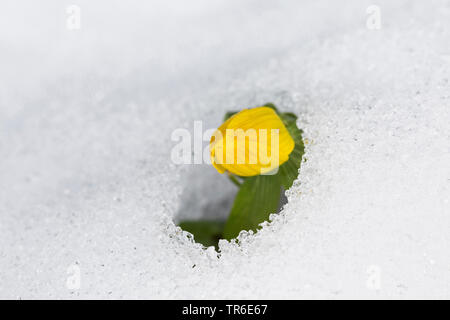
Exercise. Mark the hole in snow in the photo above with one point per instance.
(207, 195)
(206, 202)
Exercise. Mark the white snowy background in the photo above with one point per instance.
(88, 191)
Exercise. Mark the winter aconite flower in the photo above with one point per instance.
(261, 149)
(251, 142)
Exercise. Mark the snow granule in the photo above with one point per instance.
(87, 184)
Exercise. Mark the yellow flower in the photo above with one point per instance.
(251, 142)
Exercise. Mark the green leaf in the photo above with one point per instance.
(257, 198)
(205, 232)
(271, 105)
(229, 114)
(288, 117)
(288, 171)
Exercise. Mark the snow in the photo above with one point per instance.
(87, 184)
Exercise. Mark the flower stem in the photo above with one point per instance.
(234, 179)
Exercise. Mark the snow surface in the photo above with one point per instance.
(86, 118)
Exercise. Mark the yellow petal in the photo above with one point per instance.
(251, 142)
